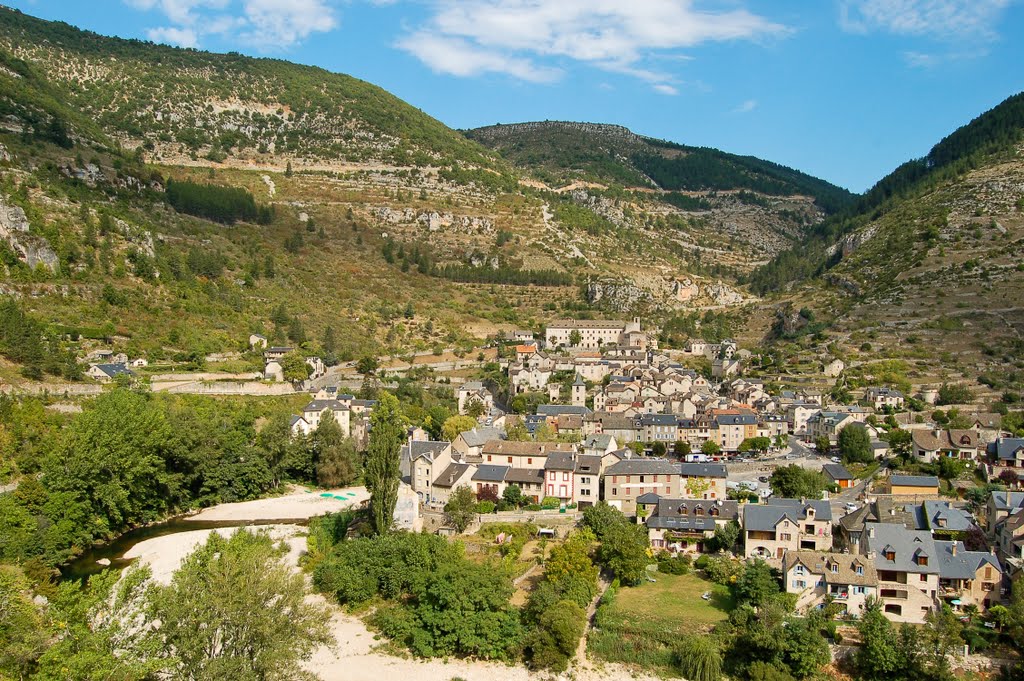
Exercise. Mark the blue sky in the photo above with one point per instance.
(842, 89)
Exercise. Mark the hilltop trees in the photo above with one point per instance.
(213, 202)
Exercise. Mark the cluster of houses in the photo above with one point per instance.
(352, 415)
(273, 369)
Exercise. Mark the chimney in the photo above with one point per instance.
(954, 548)
(871, 533)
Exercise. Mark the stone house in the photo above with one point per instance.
(702, 481)
(848, 580)
(681, 526)
(105, 373)
(424, 461)
(929, 445)
(629, 479)
(882, 397)
(913, 485)
(782, 525)
(454, 476)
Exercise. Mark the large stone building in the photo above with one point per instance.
(782, 525)
(593, 333)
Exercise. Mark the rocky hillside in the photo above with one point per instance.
(925, 276)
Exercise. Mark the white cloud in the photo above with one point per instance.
(266, 24)
(746, 107)
(612, 35)
(665, 89)
(182, 37)
(947, 20)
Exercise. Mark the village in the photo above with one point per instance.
(624, 424)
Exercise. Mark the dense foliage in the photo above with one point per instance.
(217, 203)
(25, 341)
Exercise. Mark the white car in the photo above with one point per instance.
(836, 459)
(851, 507)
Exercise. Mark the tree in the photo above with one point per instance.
(513, 495)
(681, 449)
(725, 537)
(575, 338)
(235, 610)
(554, 641)
(900, 443)
(855, 445)
(367, 365)
(387, 432)
(475, 409)
(951, 393)
(601, 517)
(878, 657)
(455, 425)
(461, 508)
(337, 461)
(294, 367)
(710, 448)
(698, 658)
(330, 343)
(659, 449)
(796, 482)
(23, 635)
(623, 551)
(822, 444)
(757, 584)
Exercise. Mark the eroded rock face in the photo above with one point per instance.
(5, 156)
(618, 296)
(31, 249)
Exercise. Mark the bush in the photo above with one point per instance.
(674, 565)
(532, 507)
(549, 503)
(702, 562)
(485, 507)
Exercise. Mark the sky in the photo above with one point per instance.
(842, 89)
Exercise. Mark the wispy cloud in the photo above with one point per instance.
(746, 107)
(267, 25)
(521, 37)
(946, 20)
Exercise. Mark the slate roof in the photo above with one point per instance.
(643, 466)
(295, 419)
(560, 461)
(965, 564)
(648, 498)
(736, 419)
(837, 472)
(702, 470)
(449, 476)
(491, 473)
(471, 386)
(425, 449)
(941, 516)
(1006, 447)
(658, 420)
(478, 437)
(317, 406)
(112, 370)
(528, 476)
(765, 518)
(691, 514)
(589, 464)
(914, 481)
(600, 441)
(1008, 501)
(558, 409)
(905, 544)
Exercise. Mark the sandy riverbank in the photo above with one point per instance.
(352, 657)
(297, 505)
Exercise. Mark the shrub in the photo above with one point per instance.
(548, 503)
(674, 565)
(485, 507)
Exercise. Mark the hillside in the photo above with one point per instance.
(566, 152)
(925, 272)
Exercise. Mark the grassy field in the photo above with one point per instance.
(641, 625)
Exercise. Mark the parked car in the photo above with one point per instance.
(850, 507)
(762, 478)
(836, 459)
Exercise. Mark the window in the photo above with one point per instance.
(683, 510)
(510, 459)
(529, 460)
(585, 492)
(565, 477)
(890, 555)
(786, 537)
(922, 560)
(699, 510)
(488, 457)
(642, 478)
(615, 492)
(835, 568)
(799, 584)
(860, 570)
(859, 590)
(924, 577)
(799, 569)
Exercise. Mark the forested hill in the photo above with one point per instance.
(563, 152)
(989, 138)
(183, 103)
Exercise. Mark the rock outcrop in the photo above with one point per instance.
(31, 249)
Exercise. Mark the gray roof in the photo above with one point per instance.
(914, 480)
(648, 498)
(114, 369)
(295, 419)
(1008, 501)
(491, 473)
(534, 476)
(691, 514)
(424, 449)
(600, 441)
(764, 518)
(658, 420)
(559, 409)
(703, 470)
(478, 437)
(449, 476)
(1006, 447)
(941, 515)
(735, 419)
(560, 461)
(588, 463)
(965, 564)
(472, 386)
(837, 471)
(906, 545)
(318, 406)
(643, 466)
